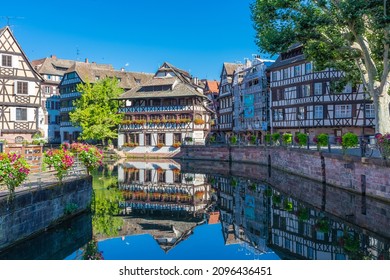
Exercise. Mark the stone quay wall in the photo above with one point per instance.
(33, 211)
(369, 176)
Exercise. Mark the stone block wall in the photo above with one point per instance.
(360, 175)
(33, 211)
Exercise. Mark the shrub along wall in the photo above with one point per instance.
(362, 175)
(33, 211)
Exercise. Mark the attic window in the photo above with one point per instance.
(138, 81)
(97, 78)
(119, 79)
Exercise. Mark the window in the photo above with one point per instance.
(274, 76)
(21, 114)
(22, 87)
(176, 137)
(305, 90)
(299, 248)
(161, 138)
(148, 138)
(286, 73)
(318, 112)
(97, 78)
(308, 68)
(343, 111)
(47, 89)
(6, 61)
(297, 70)
(301, 113)
(318, 89)
(278, 114)
(370, 111)
(148, 175)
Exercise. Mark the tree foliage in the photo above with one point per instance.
(96, 113)
(349, 35)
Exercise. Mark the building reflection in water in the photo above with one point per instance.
(162, 201)
(264, 218)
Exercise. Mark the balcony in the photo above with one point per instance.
(70, 95)
(151, 109)
(67, 109)
(155, 126)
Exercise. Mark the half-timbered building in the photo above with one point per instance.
(250, 95)
(52, 69)
(225, 100)
(85, 72)
(20, 92)
(304, 100)
(163, 113)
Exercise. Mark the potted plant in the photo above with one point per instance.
(321, 140)
(60, 159)
(287, 138)
(176, 145)
(267, 138)
(13, 170)
(233, 140)
(160, 145)
(300, 139)
(275, 138)
(349, 140)
(253, 140)
(198, 121)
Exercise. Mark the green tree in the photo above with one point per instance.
(96, 113)
(352, 36)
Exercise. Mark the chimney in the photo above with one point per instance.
(122, 69)
(53, 56)
(86, 60)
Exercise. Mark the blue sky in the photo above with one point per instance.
(194, 35)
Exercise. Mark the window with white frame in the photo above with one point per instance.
(286, 73)
(318, 89)
(22, 87)
(305, 90)
(6, 60)
(274, 76)
(278, 114)
(318, 112)
(343, 111)
(21, 114)
(370, 111)
(297, 70)
(301, 113)
(308, 68)
(290, 93)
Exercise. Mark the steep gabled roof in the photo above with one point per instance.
(231, 67)
(5, 29)
(89, 72)
(52, 65)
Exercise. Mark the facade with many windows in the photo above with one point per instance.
(304, 100)
(225, 100)
(52, 69)
(20, 92)
(163, 113)
(85, 72)
(251, 104)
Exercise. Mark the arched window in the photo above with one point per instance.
(19, 139)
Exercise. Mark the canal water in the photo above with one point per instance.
(171, 210)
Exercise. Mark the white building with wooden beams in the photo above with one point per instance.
(20, 92)
(163, 113)
(225, 100)
(303, 100)
(251, 98)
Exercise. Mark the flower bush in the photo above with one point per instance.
(60, 159)
(253, 139)
(287, 138)
(176, 144)
(275, 137)
(233, 140)
(300, 139)
(321, 140)
(267, 138)
(349, 140)
(160, 145)
(384, 144)
(13, 170)
(90, 156)
(198, 121)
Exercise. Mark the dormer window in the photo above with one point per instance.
(97, 78)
